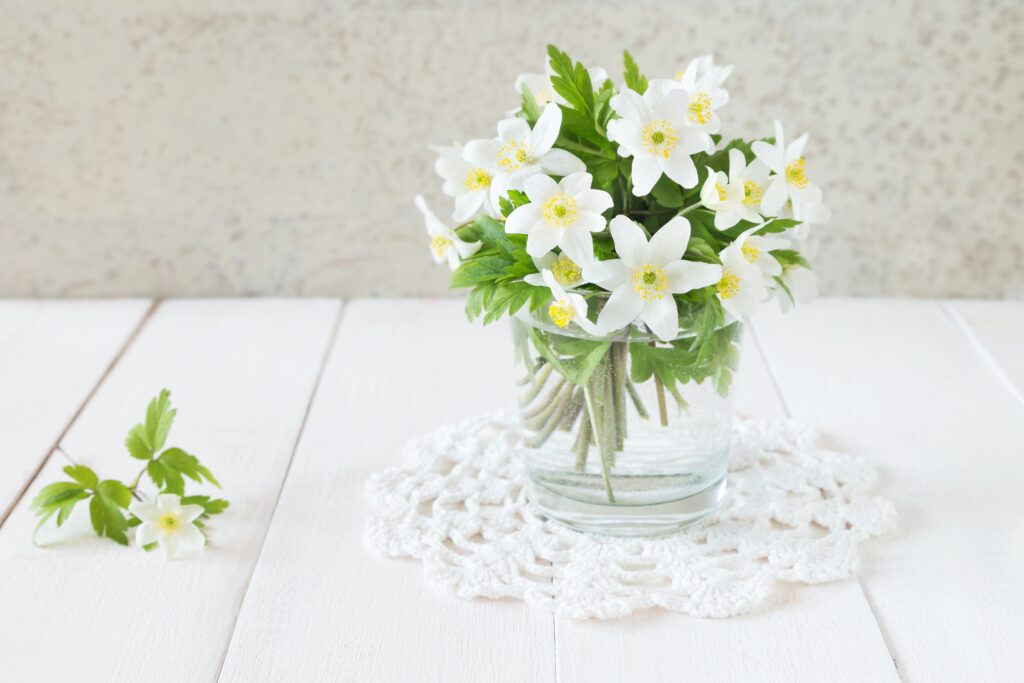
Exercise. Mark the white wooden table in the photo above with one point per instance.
(293, 403)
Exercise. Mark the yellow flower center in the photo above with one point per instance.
(729, 285)
(750, 252)
(477, 179)
(566, 272)
(439, 245)
(721, 192)
(561, 313)
(796, 173)
(168, 522)
(700, 108)
(513, 155)
(679, 74)
(650, 283)
(659, 138)
(752, 193)
(559, 210)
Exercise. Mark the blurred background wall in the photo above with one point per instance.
(190, 147)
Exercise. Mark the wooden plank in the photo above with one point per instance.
(824, 632)
(242, 373)
(52, 356)
(995, 329)
(899, 383)
(320, 607)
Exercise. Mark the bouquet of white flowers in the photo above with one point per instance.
(629, 236)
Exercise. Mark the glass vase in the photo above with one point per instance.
(625, 435)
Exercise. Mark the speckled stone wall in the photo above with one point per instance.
(272, 147)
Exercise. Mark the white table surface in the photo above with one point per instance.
(293, 403)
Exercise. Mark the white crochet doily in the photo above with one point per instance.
(793, 512)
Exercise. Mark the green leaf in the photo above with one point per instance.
(571, 81)
(779, 225)
(115, 491)
(211, 506)
(530, 108)
(68, 505)
(137, 443)
(790, 257)
(574, 359)
(107, 519)
(632, 76)
(166, 478)
(186, 464)
(667, 193)
(83, 475)
(52, 495)
(159, 418)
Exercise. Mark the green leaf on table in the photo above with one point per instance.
(107, 519)
(115, 491)
(211, 506)
(166, 478)
(83, 475)
(159, 418)
(186, 464)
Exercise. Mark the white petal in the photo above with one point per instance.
(465, 249)
(169, 546)
(147, 512)
(622, 308)
(609, 274)
(726, 218)
(662, 318)
(539, 187)
(668, 244)
(597, 201)
(466, 205)
(522, 220)
(545, 131)
(679, 167)
(646, 172)
(561, 163)
(577, 243)
(630, 242)
(769, 264)
(551, 283)
(148, 532)
(589, 221)
(684, 276)
(693, 140)
(627, 134)
(579, 307)
(737, 164)
(167, 502)
(673, 106)
(575, 183)
(796, 149)
(514, 128)
(630, 105)
(534, 279)
(769, 155)
(483, 153)
(543, 238)
(190, 512)
(776, 195)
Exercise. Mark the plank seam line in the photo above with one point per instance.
(979, 347)
(129, 340)
(763, 352)
(342, 307)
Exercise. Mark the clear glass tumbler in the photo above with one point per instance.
(625, 435)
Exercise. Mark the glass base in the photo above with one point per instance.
(626, 520)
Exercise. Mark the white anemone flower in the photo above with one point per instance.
(703, 68)
(561, 214)
(566, 307)
(741, 288)
(646, 275)
(735, 197)
(468, 183)
(802, 285)
(756, 249)
(701, 82)
(811, 208)
(542, 90)
(790, 183)
(444, 242)
(519, 151)
(567, 272)
(655, 131)
(170, 524)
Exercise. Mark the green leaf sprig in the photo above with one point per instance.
(109, 499)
